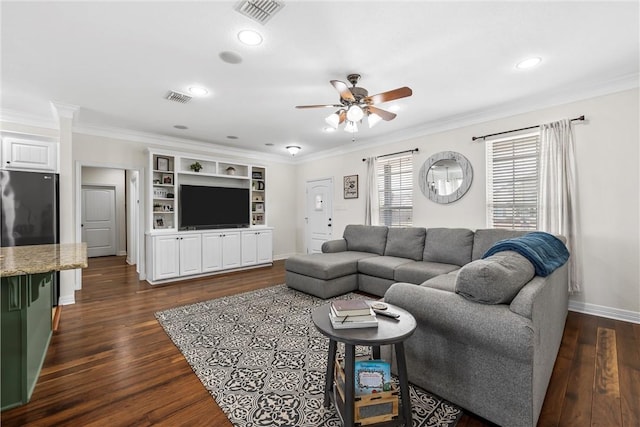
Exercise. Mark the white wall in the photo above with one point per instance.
(115, 178)
(607, 156)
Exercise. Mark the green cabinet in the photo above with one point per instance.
(25, 331)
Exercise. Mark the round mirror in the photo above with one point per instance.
(445, 177)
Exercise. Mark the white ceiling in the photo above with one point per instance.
(118, 60)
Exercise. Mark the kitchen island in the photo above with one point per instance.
(28, 274)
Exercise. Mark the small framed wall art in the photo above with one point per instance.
(162, 163)
(351, 187)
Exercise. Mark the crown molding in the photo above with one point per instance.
(566, 95)
(18, 117)
(173, 143)
(63, 111)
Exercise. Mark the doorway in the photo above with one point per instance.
(319, 206)
(129, 240)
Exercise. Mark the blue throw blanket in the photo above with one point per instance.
(545, 251)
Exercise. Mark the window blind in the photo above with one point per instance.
(512, 182)
(395, 191)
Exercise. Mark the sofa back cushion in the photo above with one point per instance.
(485, 238)
(496, 279)
(405, 242)
(366, 238)
(448, 245)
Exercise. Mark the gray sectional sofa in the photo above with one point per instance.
(488, 330)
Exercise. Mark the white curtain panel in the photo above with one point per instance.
(557, 203)
(371, 213)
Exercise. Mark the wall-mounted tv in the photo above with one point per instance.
(203, 207)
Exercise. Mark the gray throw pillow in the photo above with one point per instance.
(496, 279)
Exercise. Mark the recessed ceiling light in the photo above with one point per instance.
(328, 129)
(528, 63)
(181, 127)
(198, 91)
(250, 37)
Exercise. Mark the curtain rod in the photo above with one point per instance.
(581, 118)
(415, 150)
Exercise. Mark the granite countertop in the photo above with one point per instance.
(19, 260)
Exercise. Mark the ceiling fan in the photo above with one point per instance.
(355, 104)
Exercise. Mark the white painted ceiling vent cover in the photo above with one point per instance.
(259, 10)
(178, 97)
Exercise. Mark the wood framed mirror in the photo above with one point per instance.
(445, 177)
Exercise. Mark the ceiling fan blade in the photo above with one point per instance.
(342, 87)
(385, 115)
(401, 92)
(319, 106)
(343, 116)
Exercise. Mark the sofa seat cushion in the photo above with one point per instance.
(444, 282)
(405, 242)
(366, 238)
(496, 279)
(326, 266)
(381, 266)
(418, 272)
(448, 246)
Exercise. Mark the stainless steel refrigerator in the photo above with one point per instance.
(29, 211)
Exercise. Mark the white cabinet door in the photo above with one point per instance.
(24, 154)
(249, 242)
(231, 250)
(190, 254)
(211, 252)
(166, 257)
(264, 247)
(257, 247)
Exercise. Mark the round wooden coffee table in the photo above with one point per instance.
(389, 331)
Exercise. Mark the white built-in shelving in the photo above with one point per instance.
(173, 253)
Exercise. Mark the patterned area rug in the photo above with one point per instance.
(264, 362)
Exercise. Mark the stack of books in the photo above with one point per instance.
(351, 314)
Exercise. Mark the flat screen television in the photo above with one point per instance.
(203, 207)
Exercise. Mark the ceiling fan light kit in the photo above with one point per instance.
(355, 104)
(333, 120)
(351, 127)
(355, 113)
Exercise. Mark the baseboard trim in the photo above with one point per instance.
(67, 300)
(280, 257)
(603, 311)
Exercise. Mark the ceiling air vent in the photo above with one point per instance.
(259, 10)
(178, 97)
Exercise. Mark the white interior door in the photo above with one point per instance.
(319, 213)
(99, 220)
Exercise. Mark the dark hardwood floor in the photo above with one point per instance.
(110, 362)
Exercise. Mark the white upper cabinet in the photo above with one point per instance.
(27, 154)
